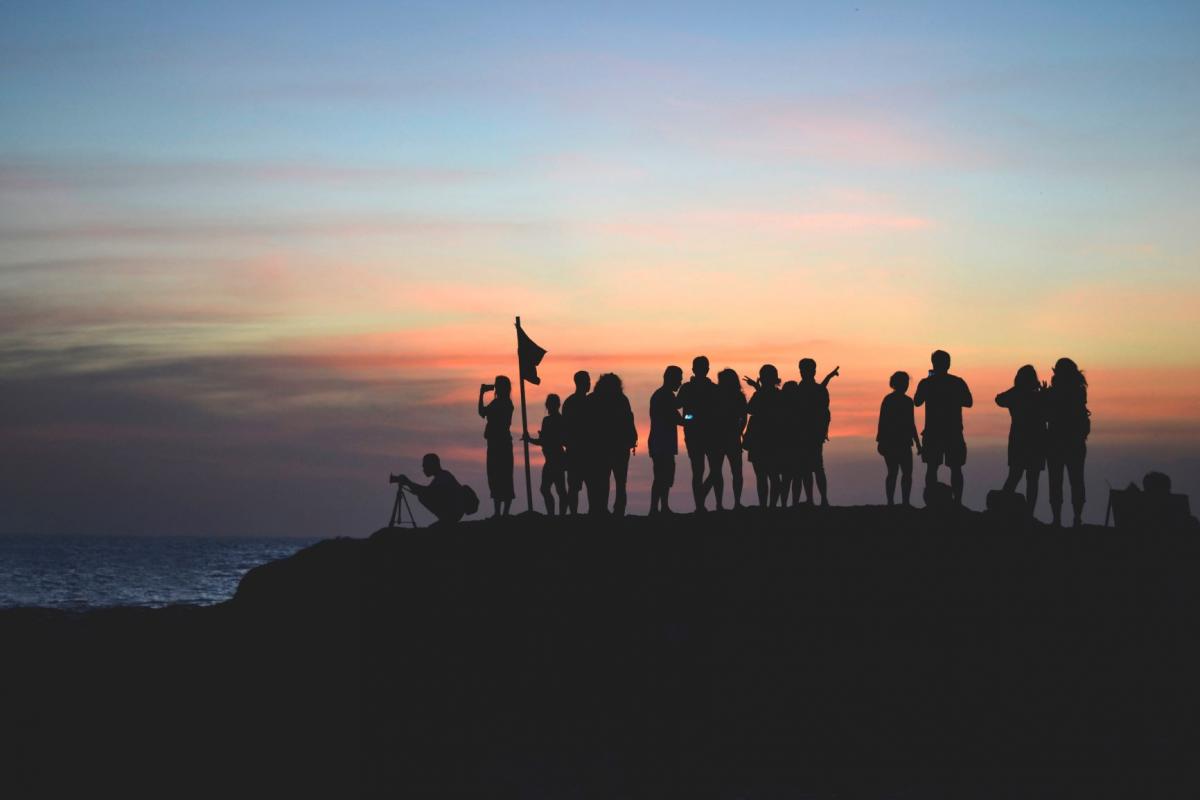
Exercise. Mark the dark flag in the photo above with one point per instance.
(529, 355)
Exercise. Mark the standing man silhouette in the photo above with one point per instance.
(944, 397)
(576, 438)
(812, 411)
(698, 398)
(664, 438)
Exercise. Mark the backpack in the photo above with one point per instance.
(470, 500)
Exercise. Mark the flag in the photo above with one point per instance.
(529, 355)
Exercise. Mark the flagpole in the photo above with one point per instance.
(524, 423)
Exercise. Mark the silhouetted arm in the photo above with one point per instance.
(482, 407)
(1004, 399)
(967, 400)
(919, 396)
(831, 376)
(879, 427)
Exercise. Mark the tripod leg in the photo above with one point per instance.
(396, 515)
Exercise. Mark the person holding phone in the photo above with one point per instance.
(498, 434)
(665, 422)
(698, 398)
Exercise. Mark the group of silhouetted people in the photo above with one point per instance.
(587, 439)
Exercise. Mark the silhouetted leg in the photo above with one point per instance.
(1014, 477)
(620, 471)
(1032, 478)
(822, 485)
(956, 484)
(548, 498)
(931, 475)
(715, 479)
(762, 483)
(906, 470)
(696, 457)
(807, 478)
(495, 508)
(1055, 481)
(1078, 492)
(735, 474)
(889, 483)
(776, 481)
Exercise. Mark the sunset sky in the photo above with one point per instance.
(254, 256)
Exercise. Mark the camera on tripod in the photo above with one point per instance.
(401, 507)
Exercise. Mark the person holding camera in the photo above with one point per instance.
(498, 434)
(443, 496)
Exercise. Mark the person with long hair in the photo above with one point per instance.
(498, 434)
(728, 426)
(616, 437)
(1026, 433)
(765, 434)
(895, 437)
(1068, 425)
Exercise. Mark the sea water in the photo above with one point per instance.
(81, 572)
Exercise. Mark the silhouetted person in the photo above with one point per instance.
(944, 397)
(552, 439)
(443, 496)
(498, 414)
(665, 420)
(811, 407)
(574, 412)
(896, 435)
(698, 399)
(1068, 425)
(765, 435)
(728, 426)
(1026, 432)
(615, 436)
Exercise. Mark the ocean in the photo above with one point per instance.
(82, 572)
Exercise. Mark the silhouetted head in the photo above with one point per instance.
(899, 381)
(1066, 373)
(503, 386)
(808, 369)
(673, 377)
(609, 385)
(789, 385)
(1026, 378)
(728, 379)
(431, 465)
(583, 382)
(940, 360)
(768, 375)
(700, 366)
(553, 403)
(1157, 484)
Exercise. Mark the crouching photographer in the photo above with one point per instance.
(443, 496)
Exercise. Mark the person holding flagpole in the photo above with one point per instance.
(498, 414)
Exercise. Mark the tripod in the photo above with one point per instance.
(399, 508)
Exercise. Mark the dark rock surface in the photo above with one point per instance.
(824, 652)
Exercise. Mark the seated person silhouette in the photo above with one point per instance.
(443, 496)
(944, 397)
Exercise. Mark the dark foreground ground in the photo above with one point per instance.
(840, 653)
